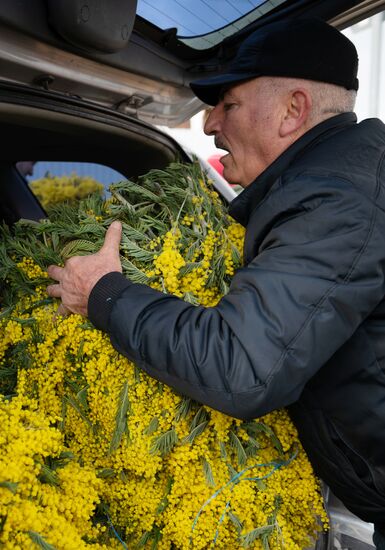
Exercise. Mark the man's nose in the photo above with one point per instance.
(211, 126)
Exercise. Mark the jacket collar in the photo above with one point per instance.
(243, 205)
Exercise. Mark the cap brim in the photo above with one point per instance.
(209, 90)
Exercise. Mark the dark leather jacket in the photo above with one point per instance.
(303, 325)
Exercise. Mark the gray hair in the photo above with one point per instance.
(327, 99)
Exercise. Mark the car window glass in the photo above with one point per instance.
(202, 23)
(56, 181)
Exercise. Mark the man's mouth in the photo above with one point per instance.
(224, 157)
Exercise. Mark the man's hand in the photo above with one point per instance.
(80, 273)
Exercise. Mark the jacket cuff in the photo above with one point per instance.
(103, 296)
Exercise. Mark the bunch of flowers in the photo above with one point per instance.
(56, 189)
(123, 458)
(35, 498)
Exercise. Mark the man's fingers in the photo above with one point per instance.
(112, 238)
(55, 272)
(54, 291)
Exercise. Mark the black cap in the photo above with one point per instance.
(296, 48)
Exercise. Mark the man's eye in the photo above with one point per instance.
(228, 106)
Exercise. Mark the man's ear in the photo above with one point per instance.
(297, 111)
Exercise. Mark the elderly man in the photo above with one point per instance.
(303, 325)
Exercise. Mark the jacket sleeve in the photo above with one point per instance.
(315, 278)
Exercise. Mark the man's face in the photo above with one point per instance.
(245, 123)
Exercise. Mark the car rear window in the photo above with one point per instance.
(202, 24)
